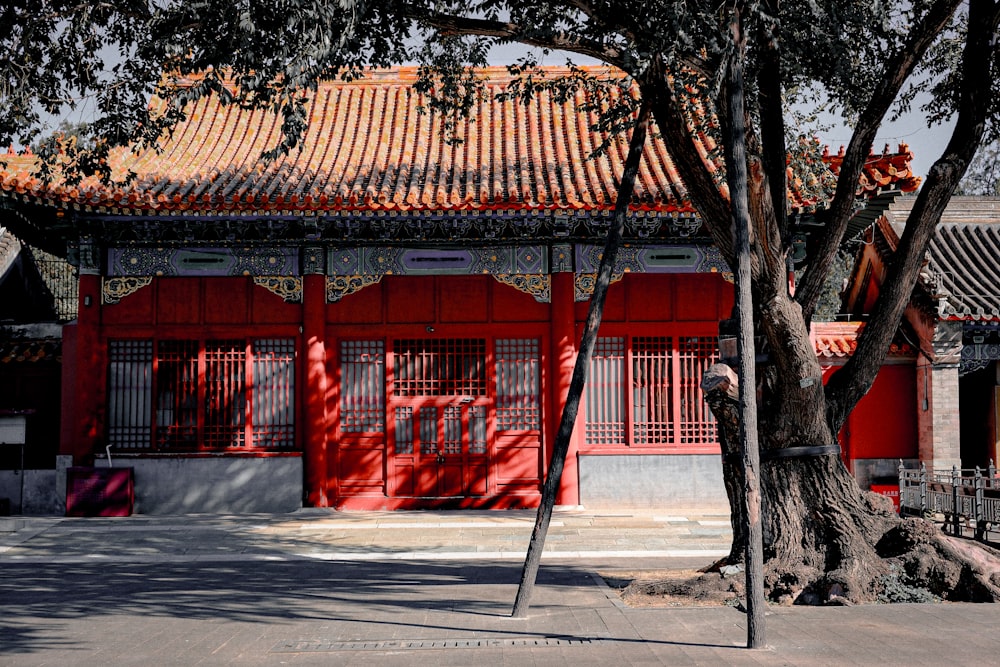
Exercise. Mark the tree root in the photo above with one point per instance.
(912, 562)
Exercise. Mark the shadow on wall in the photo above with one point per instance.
(223, 485)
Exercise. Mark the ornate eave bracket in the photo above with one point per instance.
(538, 286)
(584, 284)
(289, 288)
(337, 287)
(114, 290)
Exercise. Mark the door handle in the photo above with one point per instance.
(440, 459)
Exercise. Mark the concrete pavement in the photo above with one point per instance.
(416, 588)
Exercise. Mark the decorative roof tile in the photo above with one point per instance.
(369, 147)
(888, 170)
(838, 340)
(30, 351)
(963, 257)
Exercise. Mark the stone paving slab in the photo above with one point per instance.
(323, 588)
(433, 613)
(329, 535)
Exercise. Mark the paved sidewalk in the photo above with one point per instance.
(348, 536)
(415, 588)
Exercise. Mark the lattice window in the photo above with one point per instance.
(477, 429)
(404, 429)
(665, 408)
(428, 430)
(517, 368)
(695, 422)
(273, 398)
(130, 393)
(440, 367)
(651, 391)
(452, 430)
(190, 395)
(605, 408)
(177, 393)
(225, 405)
(362, 386)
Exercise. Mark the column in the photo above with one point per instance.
(563, 352)
(84, 373)
(937, 383)
(314, 392)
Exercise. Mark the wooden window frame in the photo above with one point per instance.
(692, 427)
(223, 375)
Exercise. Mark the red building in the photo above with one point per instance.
(386, 318)
(953, 319)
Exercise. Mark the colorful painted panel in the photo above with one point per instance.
(237, 261)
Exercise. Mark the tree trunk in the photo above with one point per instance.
(720, 386)
(567, 421)
(825, 539)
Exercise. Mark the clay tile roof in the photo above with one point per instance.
(838, 340)
(962, 273)
(30, 351)
(367, 146)
(964, 259)
(885, 170)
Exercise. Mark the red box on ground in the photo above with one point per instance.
(99, 491)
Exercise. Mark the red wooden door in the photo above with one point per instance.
(439, 404)
(439, 447)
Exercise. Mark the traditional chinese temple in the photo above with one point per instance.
(387, 317)
(953, 319)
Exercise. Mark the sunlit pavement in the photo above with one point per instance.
(416, 588)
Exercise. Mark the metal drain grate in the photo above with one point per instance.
(425, 644)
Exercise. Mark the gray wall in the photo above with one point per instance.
(653, 481)
(41, 495)
(867, 471)
(215, 485)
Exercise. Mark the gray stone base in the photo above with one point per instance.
(220, 485)
(653, 481)
(869, 471)
(40, 495)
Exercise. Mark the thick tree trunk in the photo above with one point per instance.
(824, 537)
(720, 385)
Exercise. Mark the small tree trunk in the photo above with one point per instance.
(736, 173)
(579, 379)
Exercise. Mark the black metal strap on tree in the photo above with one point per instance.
(800, 452)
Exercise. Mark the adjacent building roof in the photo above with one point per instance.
(838, 340)
(369, 147)
(963, 269)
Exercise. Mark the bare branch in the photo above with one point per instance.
(847, 387)
(895, 74)
(451, 25)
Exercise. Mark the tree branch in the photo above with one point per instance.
(703, 190)
(451, 25)
(847, 386)
(772, 119)
(897, 70)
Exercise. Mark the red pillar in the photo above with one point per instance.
(85, 428)
(563, 358)
(314, 428)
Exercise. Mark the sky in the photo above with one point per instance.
(925, 143)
